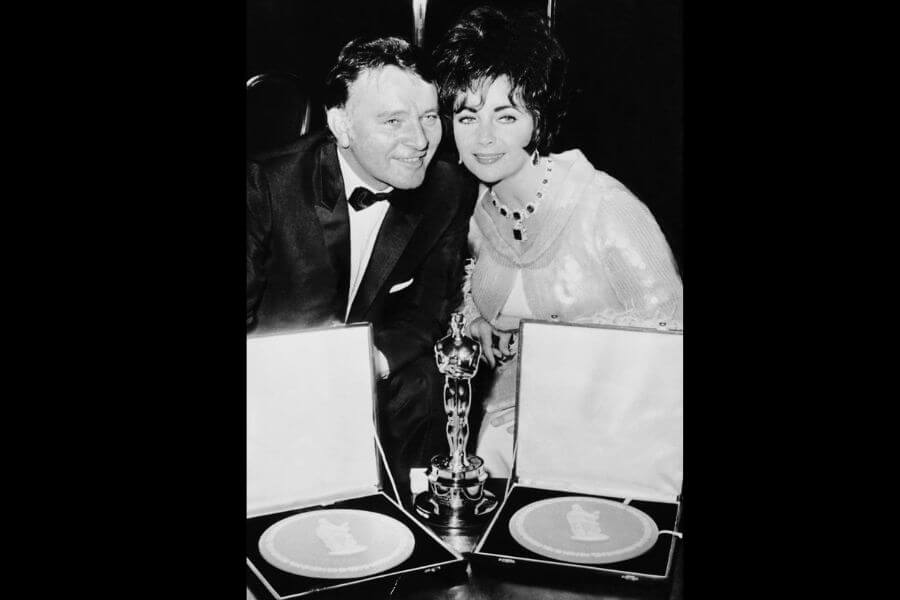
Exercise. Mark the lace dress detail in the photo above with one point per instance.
(468, 308)
(599, 257)
(599, 252)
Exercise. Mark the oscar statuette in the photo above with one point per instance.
(456, 498)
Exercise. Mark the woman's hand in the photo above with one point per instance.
(486, 335)
(504, 416)
(505, 342)
(482, 331)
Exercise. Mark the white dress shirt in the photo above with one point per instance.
(364, 226)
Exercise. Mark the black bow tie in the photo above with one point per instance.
(362, 198)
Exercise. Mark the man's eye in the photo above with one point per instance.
(430, 119)
(392, 122)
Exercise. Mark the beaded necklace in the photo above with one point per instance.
(520, 233)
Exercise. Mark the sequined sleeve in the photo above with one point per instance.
(637, 260)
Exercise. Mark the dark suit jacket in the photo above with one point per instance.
(298, 250)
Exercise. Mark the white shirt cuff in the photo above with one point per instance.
(382, 369)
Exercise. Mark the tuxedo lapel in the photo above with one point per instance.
(396, 230)
(327, 183)
(332, 211)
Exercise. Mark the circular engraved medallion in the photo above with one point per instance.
(582, 529)
(337, 543)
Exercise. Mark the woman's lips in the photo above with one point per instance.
(488, 159)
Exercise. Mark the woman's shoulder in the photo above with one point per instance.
(608, 208)
(598, 191)
(577, 166)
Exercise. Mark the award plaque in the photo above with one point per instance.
(598, 460)
(456, 498)
(337, 543)
(582, 529)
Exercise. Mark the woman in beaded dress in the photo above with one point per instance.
(551, 237)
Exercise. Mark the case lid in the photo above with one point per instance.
(600, 410)
(310, 428)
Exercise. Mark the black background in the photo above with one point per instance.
(125, 422)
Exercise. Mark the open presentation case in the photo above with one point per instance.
(598, 458)
(319, 517)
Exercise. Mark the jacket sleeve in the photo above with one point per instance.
(259, 222)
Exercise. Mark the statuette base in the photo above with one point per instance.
(456, 500)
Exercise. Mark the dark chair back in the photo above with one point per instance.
(280, 108)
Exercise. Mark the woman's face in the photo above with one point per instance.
(491, 132)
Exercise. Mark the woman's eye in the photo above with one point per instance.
(507, 119)
(465, 120)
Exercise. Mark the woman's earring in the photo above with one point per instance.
(535, 157)
(460, 159)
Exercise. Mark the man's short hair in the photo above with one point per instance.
(488, 43)
(361, 54)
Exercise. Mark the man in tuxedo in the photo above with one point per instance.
(355, 224)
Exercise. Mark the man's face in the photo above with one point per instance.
(389, 127)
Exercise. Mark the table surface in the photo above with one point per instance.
(482, 583)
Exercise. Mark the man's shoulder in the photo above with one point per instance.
(448, 193)
(446, 171)
(293, 152)
(447, 180)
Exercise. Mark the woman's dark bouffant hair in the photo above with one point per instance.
(487, 43)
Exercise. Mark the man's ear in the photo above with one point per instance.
(339, 126)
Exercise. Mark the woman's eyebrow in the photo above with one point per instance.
(496, 109)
